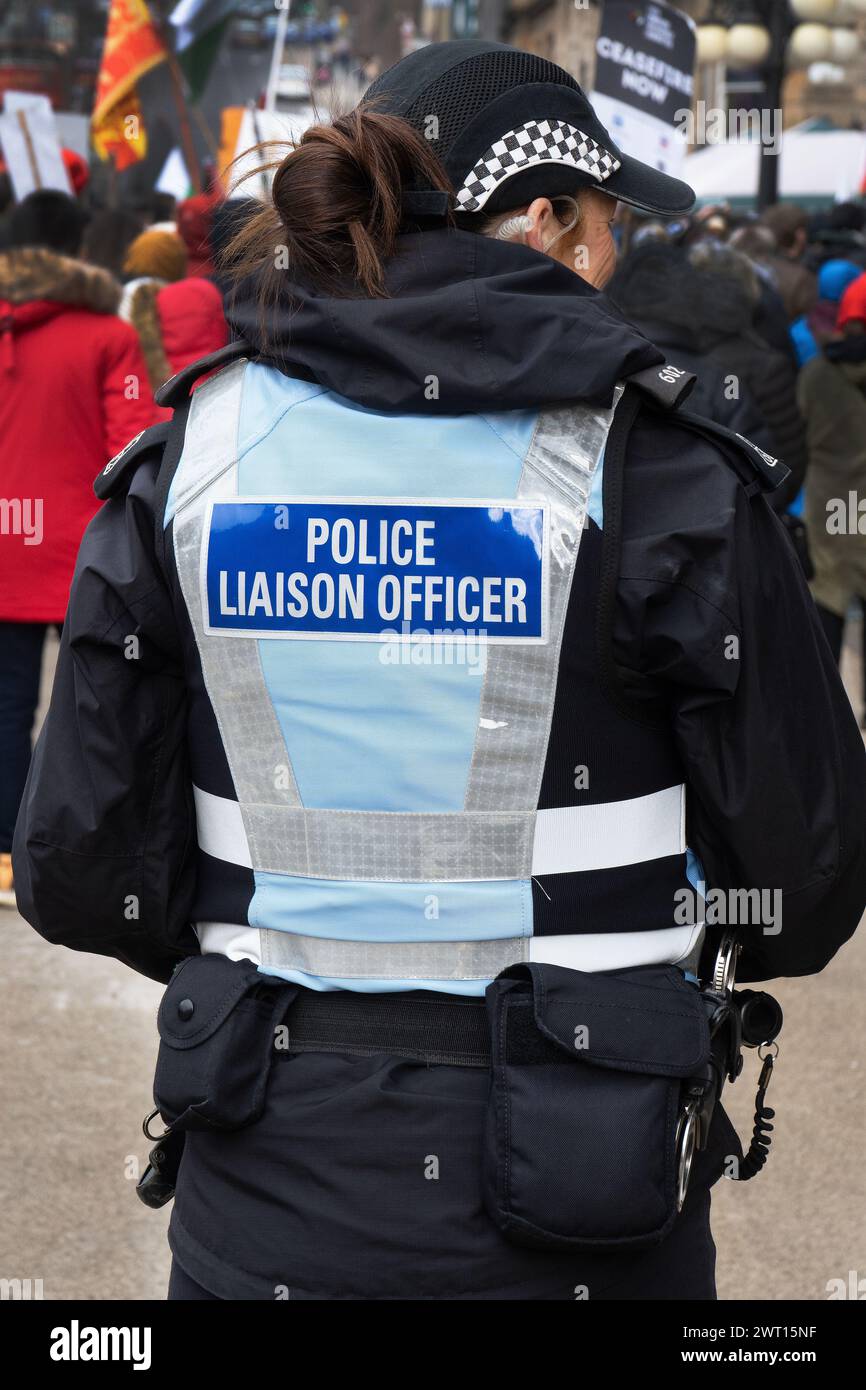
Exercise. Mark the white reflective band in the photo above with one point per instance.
(570, 839)
(616, 950)
(229, 939)
(221, 830)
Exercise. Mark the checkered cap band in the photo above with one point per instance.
(537, 142)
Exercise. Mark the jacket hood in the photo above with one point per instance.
(29, 275)
(849, 355)
(469, 324)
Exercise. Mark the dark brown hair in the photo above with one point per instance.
(336, 206)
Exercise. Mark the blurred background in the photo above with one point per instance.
(119, 121)
(203, 59)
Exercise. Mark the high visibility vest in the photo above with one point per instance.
(407, 770)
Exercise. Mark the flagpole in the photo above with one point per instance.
(176, 76)
(277, 55)
(28, 146)
(207, 133)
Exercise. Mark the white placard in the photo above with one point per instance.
(174, 178)
(31, 149)
(283, 126)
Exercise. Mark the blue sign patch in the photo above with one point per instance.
(367, 570)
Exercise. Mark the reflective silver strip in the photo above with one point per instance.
(570, 839)
(399, 847)
(461, 960)
(391, 960)
(520, 682)
(405, 847)
(253, 740)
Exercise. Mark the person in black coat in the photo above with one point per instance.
(699, 305)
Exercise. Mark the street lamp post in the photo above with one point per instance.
(780, 28)
(760, 34)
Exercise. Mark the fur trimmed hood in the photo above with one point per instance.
(29, 273)
(144, 317)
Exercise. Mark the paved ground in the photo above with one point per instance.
(79, 1042)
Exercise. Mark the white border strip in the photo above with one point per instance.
(570, 839)
(616, 950)
(221, 830)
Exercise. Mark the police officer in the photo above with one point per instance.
(434, 651)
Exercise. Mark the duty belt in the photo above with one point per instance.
(417, 1024)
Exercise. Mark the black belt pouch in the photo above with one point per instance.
(588, 1069)
(217, 1029)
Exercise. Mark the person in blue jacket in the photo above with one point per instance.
(810, 332)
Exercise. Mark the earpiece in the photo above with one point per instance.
(515, 226)
(564, 198)
(522, 224)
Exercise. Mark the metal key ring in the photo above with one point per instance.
(725, 969)
(147, 1134)
(686, 1140)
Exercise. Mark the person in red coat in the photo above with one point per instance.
(73, 391)
(194, 219)
(176, 324)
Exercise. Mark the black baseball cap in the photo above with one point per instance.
(511, 126)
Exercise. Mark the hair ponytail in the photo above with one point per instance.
(335, 208)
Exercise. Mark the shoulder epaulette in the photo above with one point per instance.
(118, 472)
(666, 385)
(178, 387)
(751, 462)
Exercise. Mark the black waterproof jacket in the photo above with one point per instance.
(694, 557)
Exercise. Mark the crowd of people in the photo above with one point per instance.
(770, 312)
(99, 306)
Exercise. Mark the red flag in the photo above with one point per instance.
(132, 47)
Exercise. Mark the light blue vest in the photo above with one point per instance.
(378, 605)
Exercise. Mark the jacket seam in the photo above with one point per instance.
(253, 440)
(521, 458)
(127, 609)
(681, 584)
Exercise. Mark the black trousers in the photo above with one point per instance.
(682, 1269)
(361, 1181)
(182, 1288)
(20, 668)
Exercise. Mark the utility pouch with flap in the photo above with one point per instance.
(588, 1074)
(217, 1023)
